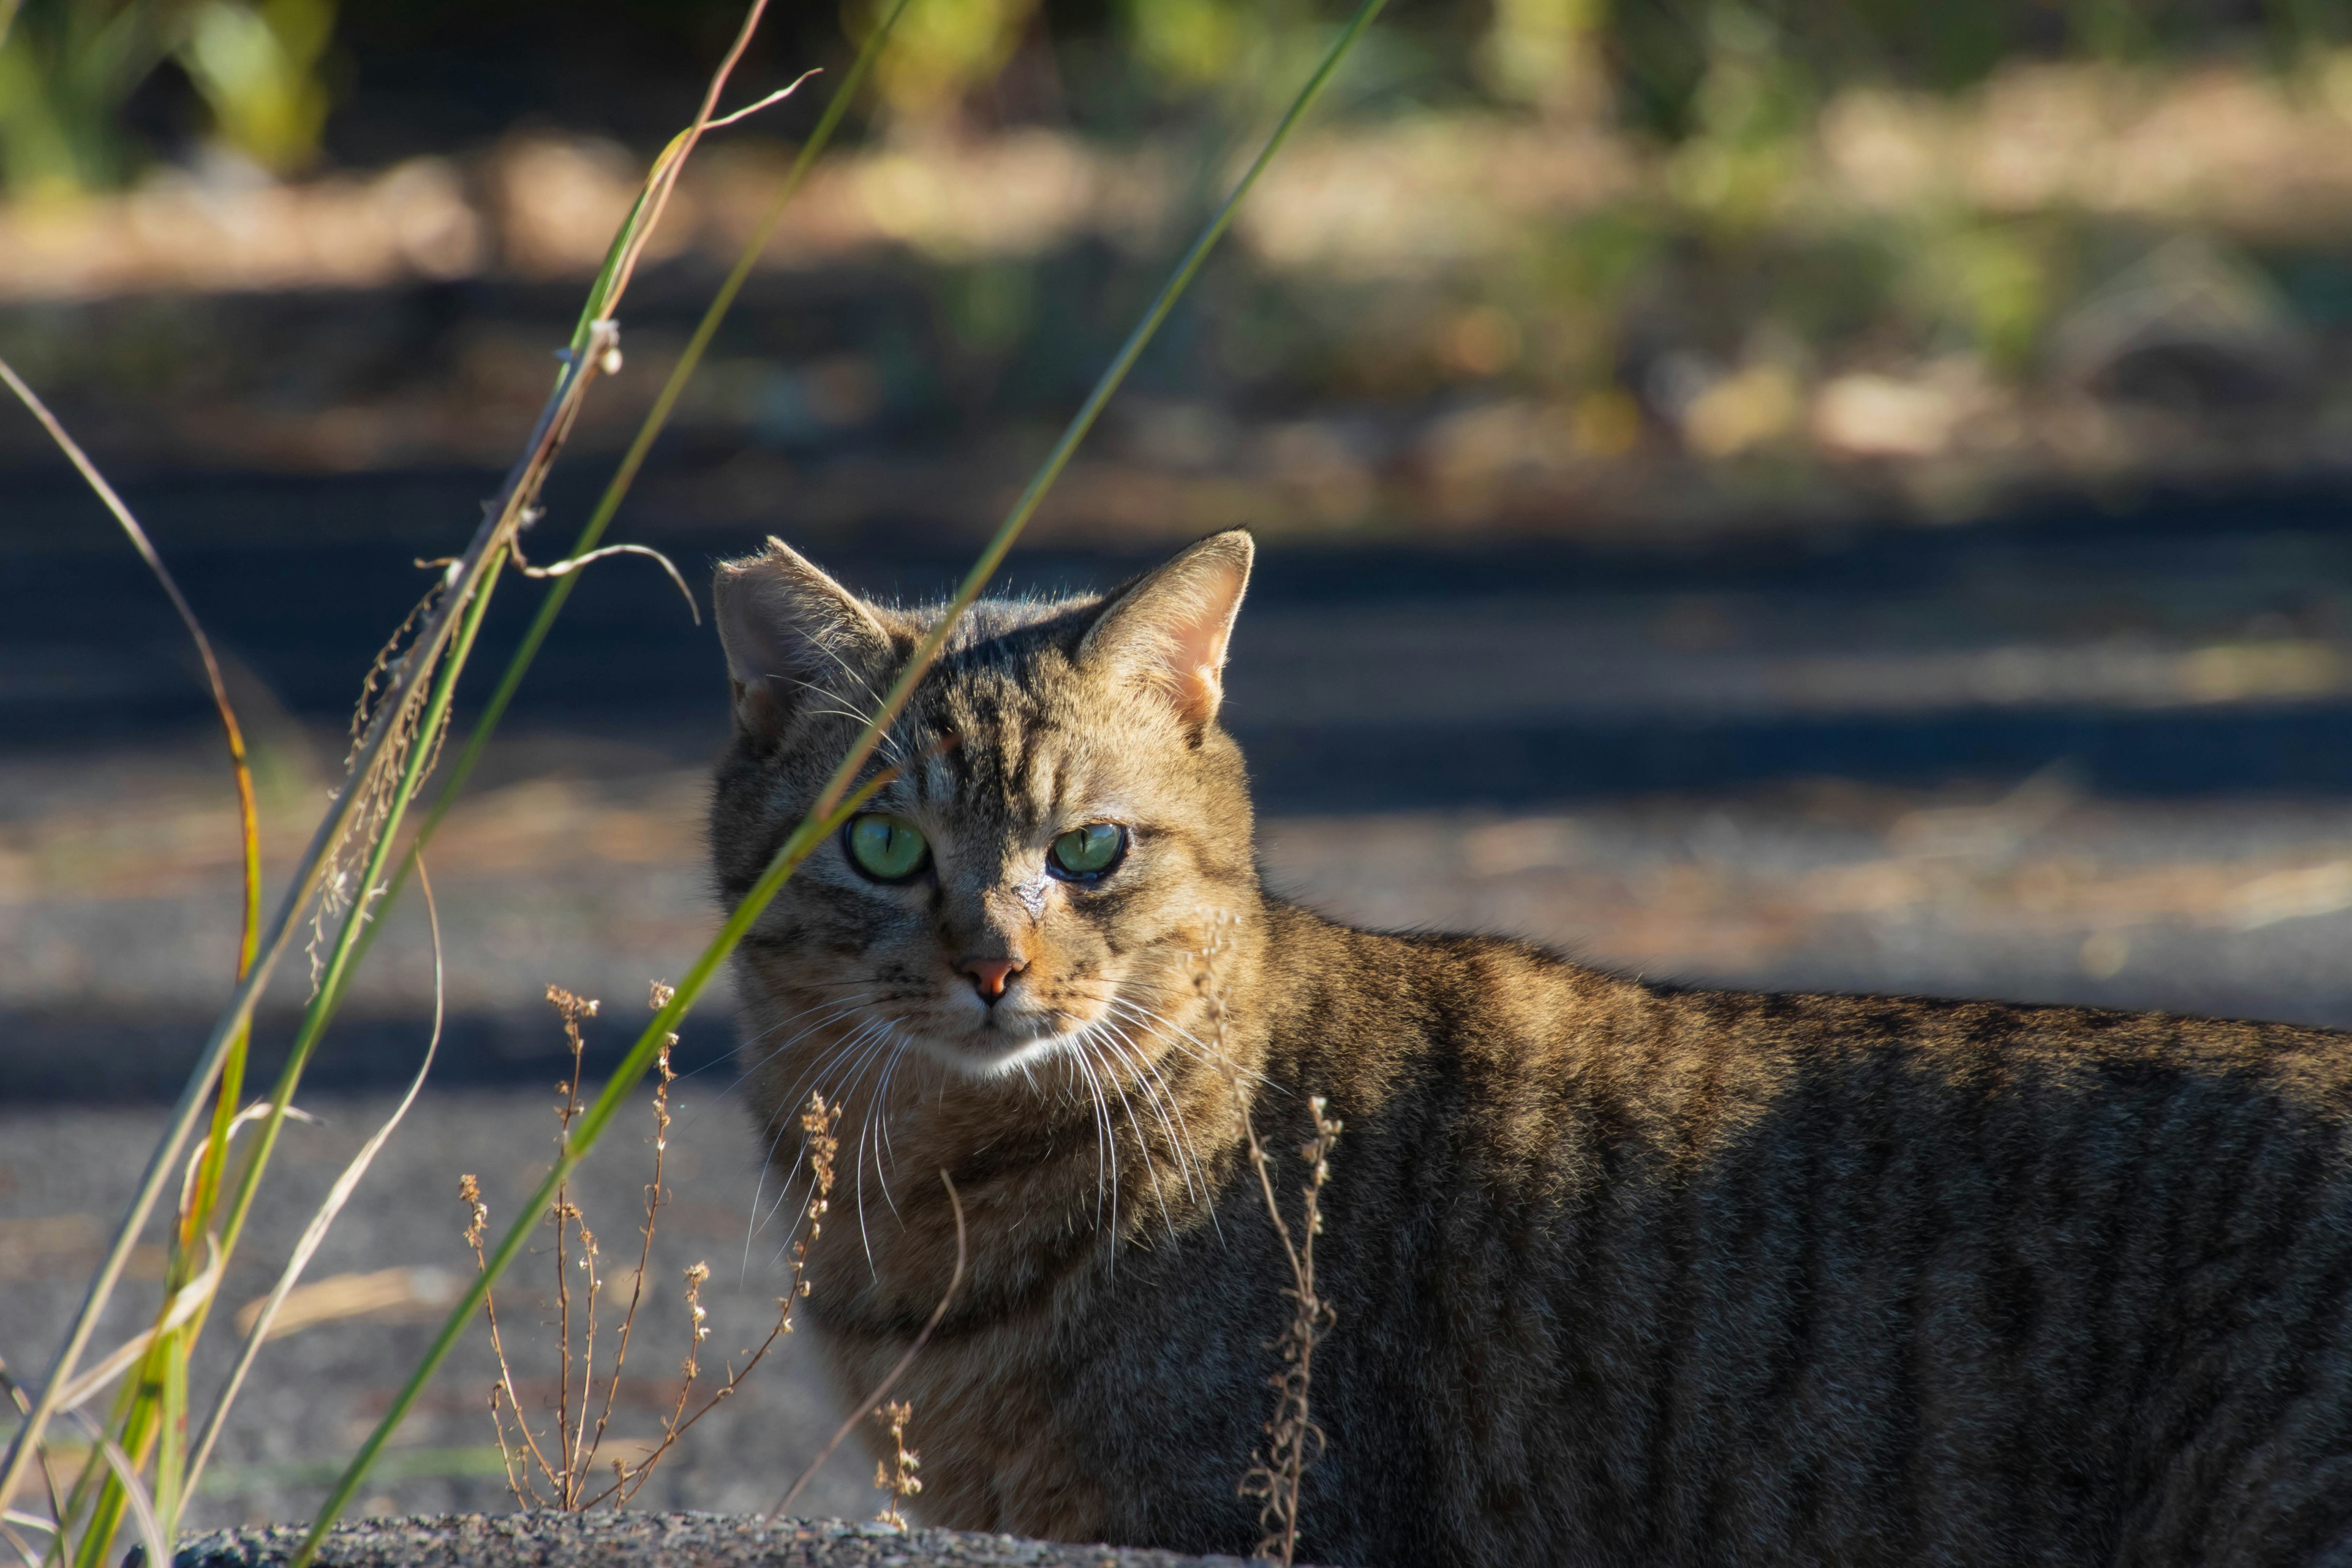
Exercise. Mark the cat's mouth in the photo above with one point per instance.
(1001, 1041)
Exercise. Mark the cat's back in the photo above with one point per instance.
(1483, 1031)
(1870, 1278)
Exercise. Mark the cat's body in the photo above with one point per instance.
(1624, 1273)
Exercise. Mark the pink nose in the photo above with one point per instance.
(991, 974)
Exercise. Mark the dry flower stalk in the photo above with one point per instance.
(819, 1122)
(895, 1477)
(558, 1470)
(1294, 1442)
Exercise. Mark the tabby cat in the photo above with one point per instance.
(1625, 1272)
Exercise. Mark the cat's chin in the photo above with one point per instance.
(986, 1054)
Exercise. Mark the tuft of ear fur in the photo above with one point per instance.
(1169, 627)
(792, 634)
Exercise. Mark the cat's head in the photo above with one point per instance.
(1068, 823)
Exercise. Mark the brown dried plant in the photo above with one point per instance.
(559, 1469)
(1294, 1442)
(895, 1477)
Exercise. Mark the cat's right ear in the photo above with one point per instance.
(792, 635)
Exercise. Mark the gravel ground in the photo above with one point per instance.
(389, 1269)
(657, 1541)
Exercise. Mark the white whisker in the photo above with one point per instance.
(1105, 1144)
(759, 1221)
(1142, 1144)
(874, 1057)
(1161, 1096)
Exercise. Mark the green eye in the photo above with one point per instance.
(886, 848)
(1086, 853)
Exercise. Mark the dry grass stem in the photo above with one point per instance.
(1294, 1442)
(820, 1123)
(665, 1075)
(895, 1477)
(570, 563)
(890, 1378)
(565, 1216)
(258, 1330)
(556, 1469)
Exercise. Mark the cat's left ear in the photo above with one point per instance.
(1169, 630)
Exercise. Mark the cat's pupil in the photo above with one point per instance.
(886, 847)
(1091, 849)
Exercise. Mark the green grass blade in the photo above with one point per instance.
(184, 1261)
(837, 804)
(584, 1133)
(335, 975)
(991, 558)
(657, 419)
(342, 816)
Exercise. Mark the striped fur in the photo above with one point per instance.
(1626, 1273)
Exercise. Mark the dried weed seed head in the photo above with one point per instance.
(1294, 1440)
(657, 999)
(470, 1193)
(696, 1274)
(820, 1124)
(895, 1477)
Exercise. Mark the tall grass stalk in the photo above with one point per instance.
(164, 1366)
(338, 1195)
(354, 938)
(835, 804)
(380, 780)
(461, 768)
(353, 943)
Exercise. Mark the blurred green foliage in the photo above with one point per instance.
(1700, 246)
(71, 68)
(1734, 78)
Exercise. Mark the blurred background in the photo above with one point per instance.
(1835, 493)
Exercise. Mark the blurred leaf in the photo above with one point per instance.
(940, 52)
(257, 67)
(68, 68)
(1188, 45)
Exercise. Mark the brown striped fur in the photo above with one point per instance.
(1626, 1273)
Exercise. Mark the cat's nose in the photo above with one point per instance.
(992, 975)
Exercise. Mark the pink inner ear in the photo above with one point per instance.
(1196, 654)
(1170, 629)
(1192, 629)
